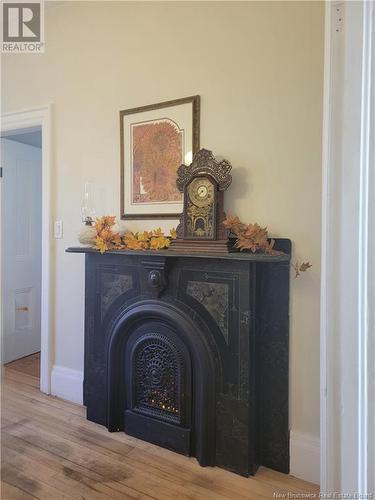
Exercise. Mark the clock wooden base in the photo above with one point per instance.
(214, 246)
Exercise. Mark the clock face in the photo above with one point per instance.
(201, 192)
(200, 208)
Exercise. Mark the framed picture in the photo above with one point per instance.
(155, 141)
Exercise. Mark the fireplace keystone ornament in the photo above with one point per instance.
(203, 183)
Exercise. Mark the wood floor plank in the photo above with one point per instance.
(113, 470)
(78, 421)
(72, 470)
(8, 420)
(162, 469)
(56, 479)
(21, 378)
(206, 479)
(9, 492)
(279, 480)
(102, 443)
(170, 467)
(33, 485)
(50, 451)
(29, 365)
(29, 392)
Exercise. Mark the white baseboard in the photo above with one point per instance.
(67, 384)
(305, 456)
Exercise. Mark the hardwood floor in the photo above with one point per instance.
(30, 365)
(50, 451)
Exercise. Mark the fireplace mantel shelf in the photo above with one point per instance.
(170, 253)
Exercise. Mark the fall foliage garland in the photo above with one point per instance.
(108, 239)
(254, 238)
(250, 237)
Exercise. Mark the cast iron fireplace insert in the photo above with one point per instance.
(190, 352)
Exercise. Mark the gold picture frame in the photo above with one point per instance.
(155, 140)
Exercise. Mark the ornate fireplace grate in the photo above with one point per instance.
(158, 372)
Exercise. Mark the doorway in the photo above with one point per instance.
(33, 302)
(21, 160)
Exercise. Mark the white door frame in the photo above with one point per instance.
(21, 120)
(348, 253)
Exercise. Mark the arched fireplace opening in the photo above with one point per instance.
(163, 377)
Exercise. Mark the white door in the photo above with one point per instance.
(21, 248)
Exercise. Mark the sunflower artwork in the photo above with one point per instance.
(155, 140)
(157, 153)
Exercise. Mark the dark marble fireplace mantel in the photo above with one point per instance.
(220, 325)
(242, 256)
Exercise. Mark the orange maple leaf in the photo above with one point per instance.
(159, 242)
(106, 235)
(109, 220)
(116, 239)
(233, 224)
(132, 242)
(157, 232)
(304, 266)
(300, 268)
(105, 222)
(101, 245)
(144, 237)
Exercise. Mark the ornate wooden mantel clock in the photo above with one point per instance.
(201, 224)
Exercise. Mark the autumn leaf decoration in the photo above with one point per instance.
(250, 237)
(253, 238)
(107, 239)
(300, 268)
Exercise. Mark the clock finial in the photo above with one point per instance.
(204, 161)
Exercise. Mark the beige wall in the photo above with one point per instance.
(258, 68)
